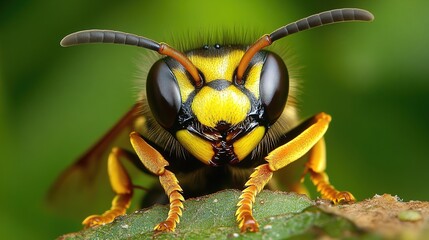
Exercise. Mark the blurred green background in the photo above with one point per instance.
(56, 102)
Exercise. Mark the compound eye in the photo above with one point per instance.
(274, 86)
(163, 94)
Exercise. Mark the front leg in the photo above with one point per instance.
(121, 186)
(303, 138)
(156, 164)
(258, 179)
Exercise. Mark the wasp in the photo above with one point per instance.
(214, 117)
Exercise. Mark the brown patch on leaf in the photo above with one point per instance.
(386, 215)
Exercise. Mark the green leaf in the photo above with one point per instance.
(280, 215)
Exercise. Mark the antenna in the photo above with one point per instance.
(316, 20)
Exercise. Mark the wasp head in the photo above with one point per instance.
(222, 120)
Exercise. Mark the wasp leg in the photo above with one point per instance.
(121, 185)
(316, 166)
(156, 164)
(303, 138)
(258, 179)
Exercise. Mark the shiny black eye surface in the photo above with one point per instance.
(274, 86)
(163, 94)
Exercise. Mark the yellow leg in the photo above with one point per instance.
(305, 136)
(254, 185)
(316, 166)
(156, 163)
(121, 185)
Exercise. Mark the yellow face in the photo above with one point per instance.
(225, 128)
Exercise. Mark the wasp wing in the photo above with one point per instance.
(84, 187)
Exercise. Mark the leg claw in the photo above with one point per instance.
(166, 226)
(249, 224)
(95, 220)
(344, 198)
